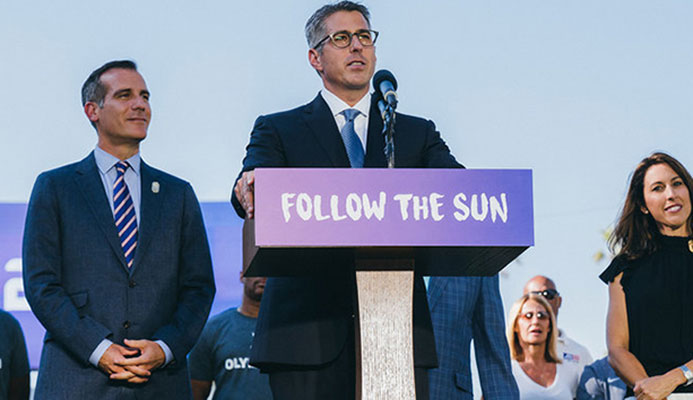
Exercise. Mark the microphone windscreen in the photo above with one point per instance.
(383, 75)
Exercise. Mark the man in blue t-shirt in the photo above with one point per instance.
(14, 363)
(222, 353)
(599, 382)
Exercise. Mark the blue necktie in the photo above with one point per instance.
(124, 213)
(352, 142)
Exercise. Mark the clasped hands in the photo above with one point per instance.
(124, 363)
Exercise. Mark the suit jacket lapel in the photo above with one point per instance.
(150, 210)
(375, 153)
(91, 186)
(323, 126)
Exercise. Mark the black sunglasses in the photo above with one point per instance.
(541, 315)
(549, 294)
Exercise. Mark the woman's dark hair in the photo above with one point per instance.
(635, 231)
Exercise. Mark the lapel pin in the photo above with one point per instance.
(155, 187)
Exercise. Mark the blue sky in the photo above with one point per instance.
(577, 91)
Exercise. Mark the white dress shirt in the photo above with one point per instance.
(105, 163)
(337, 105)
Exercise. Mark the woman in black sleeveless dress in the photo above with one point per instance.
(650, 318)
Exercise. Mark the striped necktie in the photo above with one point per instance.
(352, 142)
(124, 213)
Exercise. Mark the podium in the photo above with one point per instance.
(392, 223)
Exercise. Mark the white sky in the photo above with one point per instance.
(577, 91)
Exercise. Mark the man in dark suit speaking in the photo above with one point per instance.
(116, 261)
(305, 331)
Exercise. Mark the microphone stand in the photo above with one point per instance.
(388, 114)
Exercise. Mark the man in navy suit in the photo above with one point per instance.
(463, 308)
(116, 261)
(305, 330)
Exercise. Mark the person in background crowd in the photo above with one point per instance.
(600, 382)
(650, 322)
(539, 372)
(568, 349)
(14, 361)
(465, 308)
(222, 354)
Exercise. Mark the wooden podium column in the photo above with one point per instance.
(384, 329)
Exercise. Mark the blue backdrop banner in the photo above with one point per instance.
(224, 234)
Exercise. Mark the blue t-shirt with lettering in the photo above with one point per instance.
(14, 362)
(222, 355)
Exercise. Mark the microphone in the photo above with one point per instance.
(382, 106)
(385, 86)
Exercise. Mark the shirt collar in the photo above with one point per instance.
(338, 105)
(105, 161)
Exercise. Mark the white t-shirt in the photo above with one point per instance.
(563, 387)
(572, 352)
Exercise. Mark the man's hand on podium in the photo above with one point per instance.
(245, 192)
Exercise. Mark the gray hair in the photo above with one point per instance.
(315, 26)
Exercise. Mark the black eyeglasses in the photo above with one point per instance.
(342, 39)
(549, 294)
(541, 315)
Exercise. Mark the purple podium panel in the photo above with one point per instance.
(393, 207)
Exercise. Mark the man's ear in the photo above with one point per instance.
(91, 109)
(314, 60)
(560, 301)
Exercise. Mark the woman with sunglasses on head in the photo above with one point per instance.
(532, 336)
(650, 318)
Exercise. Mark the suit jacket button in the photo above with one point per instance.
(126, 324)
(132, 283)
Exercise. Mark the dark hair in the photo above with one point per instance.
(93, 90)
(315, 26)
(635, 232)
